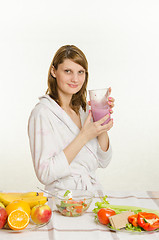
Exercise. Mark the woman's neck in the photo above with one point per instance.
(65, 101)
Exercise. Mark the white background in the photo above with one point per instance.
(121, 42)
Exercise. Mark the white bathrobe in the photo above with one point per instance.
(50, 130)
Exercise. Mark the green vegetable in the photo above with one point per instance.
(120, 208)
(66, 193)
(66, 204)
(130, 227)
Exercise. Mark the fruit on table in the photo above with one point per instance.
(40, 194)
(3, 217)
(41, 214)
(2, 205)
(18, 204)
(26, 194)
(104, 214)
(33, 200)
(18, 220)
(6, 196)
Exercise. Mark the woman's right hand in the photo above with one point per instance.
(92, 130)
(89, 131)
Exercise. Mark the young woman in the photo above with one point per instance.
(66, 145)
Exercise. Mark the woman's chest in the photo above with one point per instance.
(75, 118)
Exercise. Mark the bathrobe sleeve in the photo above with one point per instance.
(50, 162)
(104, 157)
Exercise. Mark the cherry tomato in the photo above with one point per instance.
(104, 214)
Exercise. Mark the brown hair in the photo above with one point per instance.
(76, 55)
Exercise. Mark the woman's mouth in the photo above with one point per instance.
(73, 85)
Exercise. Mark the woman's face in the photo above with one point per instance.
(70, 77)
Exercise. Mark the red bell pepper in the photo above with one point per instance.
(148, 221)
(133, 220)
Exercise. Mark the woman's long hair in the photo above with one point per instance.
(76, 55)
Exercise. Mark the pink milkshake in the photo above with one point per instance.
(99, 113)
(99, 104)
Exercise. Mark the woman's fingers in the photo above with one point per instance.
(111, 105)
(111, 102)
(106, 126)
(102, 120)
(109, 125)
(111, 99)
(111, 111)
(89, 116)
(109, 90)
(88, 119)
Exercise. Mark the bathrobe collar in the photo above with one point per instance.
(65, 118)
(61, 114)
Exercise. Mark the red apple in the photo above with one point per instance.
(3, 217)
(41, 214)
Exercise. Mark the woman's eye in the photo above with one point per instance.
(81, 72)
(67, 71)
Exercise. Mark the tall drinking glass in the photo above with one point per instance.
(99, 104)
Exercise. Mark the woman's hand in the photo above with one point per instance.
(89, 131)
(99, 132)
(111, 101)
(92, 130)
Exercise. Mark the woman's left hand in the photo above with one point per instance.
(111, 101)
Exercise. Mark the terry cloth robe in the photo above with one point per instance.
(50, 130)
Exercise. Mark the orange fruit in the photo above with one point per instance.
(18, 204)
(18, 220)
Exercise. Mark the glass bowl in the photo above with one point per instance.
(73, 203)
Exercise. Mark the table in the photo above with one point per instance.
(84, 227)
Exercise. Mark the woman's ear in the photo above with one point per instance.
(53, 71)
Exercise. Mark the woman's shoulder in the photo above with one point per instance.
(40, 108)
(45, 105)
(38, 113)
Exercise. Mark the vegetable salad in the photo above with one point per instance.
(70, 207)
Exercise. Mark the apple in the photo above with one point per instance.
(3, 217)
(41, 214)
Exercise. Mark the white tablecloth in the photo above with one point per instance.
(84, 227)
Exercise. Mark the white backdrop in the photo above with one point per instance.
(121, 42)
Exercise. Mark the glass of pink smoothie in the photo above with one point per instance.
(99, 104)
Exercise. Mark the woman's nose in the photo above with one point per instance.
(75, 78)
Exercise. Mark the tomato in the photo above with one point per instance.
(104, 214)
